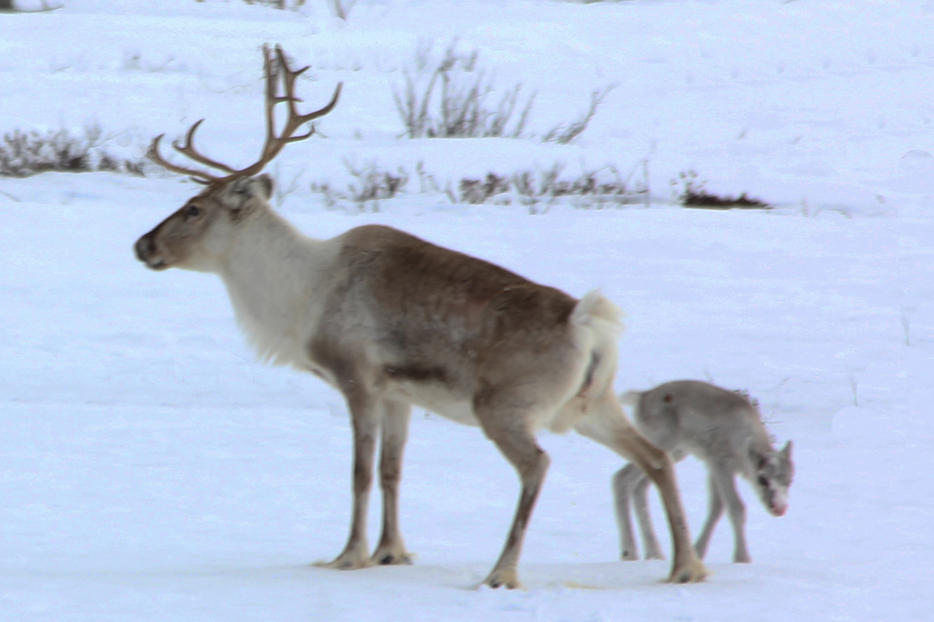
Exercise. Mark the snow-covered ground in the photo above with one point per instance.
(150, 469)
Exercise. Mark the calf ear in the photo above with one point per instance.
(756, 458)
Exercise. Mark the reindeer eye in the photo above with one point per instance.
(763, 481)
(193, 210)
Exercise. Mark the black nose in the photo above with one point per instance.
(143, 247)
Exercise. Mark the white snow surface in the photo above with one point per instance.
(151, 469)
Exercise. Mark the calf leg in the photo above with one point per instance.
(624, 484)
(649, 541)
(726, 487)
(395, 427)
(713, 515)
(638, 489)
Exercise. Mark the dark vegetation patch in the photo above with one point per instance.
(694, 194)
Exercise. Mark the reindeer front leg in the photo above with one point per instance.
(395, 428)
(364, 419)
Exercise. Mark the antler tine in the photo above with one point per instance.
(154, 155)
(188, 150)
(305, 118)
(313, 115)
(272, 94)
(290, 77)
(273, 144)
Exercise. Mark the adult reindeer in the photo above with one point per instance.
(390, 321)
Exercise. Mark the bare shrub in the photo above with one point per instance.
(592, 189)
(536, 190)
(371, 186)
(340, 8)
(29, 153)
(276, 4)
(563, 134)
(426, 181)
(460, 107)
(476, 191)
(280, 189)
(452, 99)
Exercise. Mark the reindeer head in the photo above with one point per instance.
(196, 236)
(774, 472)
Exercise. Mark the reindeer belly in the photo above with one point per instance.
(436, 398)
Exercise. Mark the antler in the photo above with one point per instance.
(273, 144)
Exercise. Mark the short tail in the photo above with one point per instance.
(596, 306)
(603, 320)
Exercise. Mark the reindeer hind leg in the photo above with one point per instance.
(607, 424)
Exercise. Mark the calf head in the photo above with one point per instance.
(774, 472)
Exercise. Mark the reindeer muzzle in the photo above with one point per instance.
(145, 250)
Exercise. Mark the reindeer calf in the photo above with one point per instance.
(721, 428)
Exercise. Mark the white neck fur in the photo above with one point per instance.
(272, 273)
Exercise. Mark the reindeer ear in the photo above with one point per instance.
(253, 187)
(786, 450)
(264, 185)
